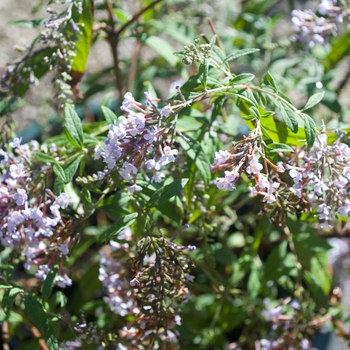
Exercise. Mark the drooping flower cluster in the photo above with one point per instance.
(313, 29)
(30, 217)
(113, 274)
(61, 32)
(151, 291)
(284, 319)
(139, 139)
(244, 157)
(323, 174)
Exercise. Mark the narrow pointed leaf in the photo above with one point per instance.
(310, 129)
(165, 193)
(313, 100)
(58, 170)
(49, 283)
(240, 53)
(73, 125)
(279, 147)
(289, 117)
(108, 115)
(39, 318)
(119, 226)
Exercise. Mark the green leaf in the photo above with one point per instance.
(213, 40)
(119, 226)
(115, 205)
(289, 117)
(5, 285)
(254, 282)
(45, 158)
(315, 289)
(11, 294)
(27, 23)
(203, 72)
(165, 193)
(242, 79)
(71, 168)
(279, 147)
(108, 115)
(218, 56)
(58, 170)
(279, 263)
(270, 81)
(240, 53)
(313, 100)
(121, 15)
(310, 129)
(84, 39)
(278, 132)
(340, 48)
(162, 47)
(38, 316)
(74, 126)
(49, 283)
(195, 152)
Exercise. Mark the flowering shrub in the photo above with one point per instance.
(194, 218)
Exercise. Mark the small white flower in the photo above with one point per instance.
(134, 188)
(20, 197)
(165, 111)
(254, 167)
(16, 142)
(63, 248)
(62, 201)
(17, 170)
(168, 156)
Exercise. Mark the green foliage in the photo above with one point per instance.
(140, 198)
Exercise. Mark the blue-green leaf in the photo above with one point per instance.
(49, 283)
(58, 170)
(74, 126)
(38, 316)
(310, 129)
(313, 100)
(119, 226)
(165, 193)
(239, 53)
(108, 115)
(289, 117)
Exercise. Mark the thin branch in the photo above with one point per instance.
(133, 65)
(113, 42)
(5, 335)
(213, 29)
(134, 18)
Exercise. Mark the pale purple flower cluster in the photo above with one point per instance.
(313, 29)
(324, 174)
(114, 277)
(252, 167)
(283, 318)
(138, 139)
(29, 220)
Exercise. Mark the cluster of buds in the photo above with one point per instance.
(195, 53)
(31, 221)
(140, 139)
(244, 157)
(151, 291)
(313, 29)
